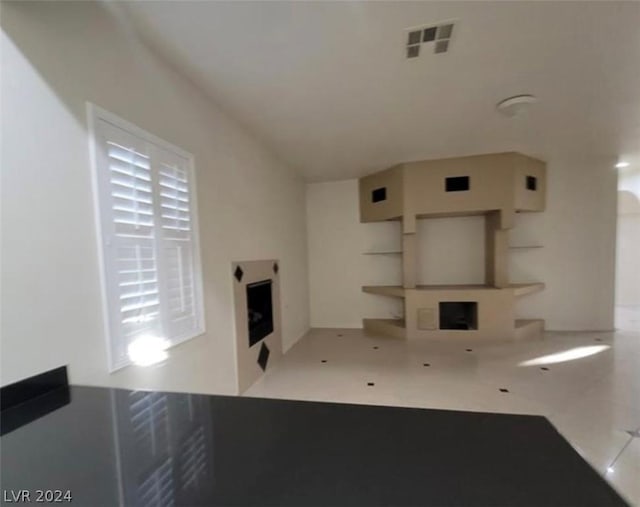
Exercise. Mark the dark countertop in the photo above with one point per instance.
(112, 446)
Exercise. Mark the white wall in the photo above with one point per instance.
(337, 266)
(451, 251)
(578, 231)
(576, 263)
(56, 56)
(628, 251)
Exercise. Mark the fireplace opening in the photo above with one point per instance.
(259, 310)
(462, 315)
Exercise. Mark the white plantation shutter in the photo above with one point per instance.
(176, 230)
(148, 234)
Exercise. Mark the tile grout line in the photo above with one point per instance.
(609, 468)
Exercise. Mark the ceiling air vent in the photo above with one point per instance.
(429, 39)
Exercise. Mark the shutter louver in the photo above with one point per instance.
(193, 459)
(174, 202)
(152, 279)
(138, 289)
(149, 415)
(156, 490)
(131, 191)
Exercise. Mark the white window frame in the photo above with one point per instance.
(95, 114)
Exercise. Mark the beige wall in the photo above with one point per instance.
(484, 193)
(526, 199)
(576, 263)
(497, 181)
(392, 206)
(56, 56)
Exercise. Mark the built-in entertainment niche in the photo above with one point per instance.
(461, 315)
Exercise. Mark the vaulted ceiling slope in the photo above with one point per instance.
(328, 86)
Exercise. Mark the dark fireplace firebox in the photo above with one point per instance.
(259, 310)
(462, 315)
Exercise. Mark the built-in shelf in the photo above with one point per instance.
(489, 185)
(395, 328)
(519, 289)
(524, 328)
(527, 328)
(522, 289)
(385, 290)
(522, 323)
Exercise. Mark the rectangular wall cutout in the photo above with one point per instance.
(461, 315)
(379, 194)
(456, 184)
(259, 310)
(532, 183)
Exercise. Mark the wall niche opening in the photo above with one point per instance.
(379, 194)
(532, 183)
(456, 184)
(259, 310)
(460, 315)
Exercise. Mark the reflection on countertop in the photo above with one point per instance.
(118, 447)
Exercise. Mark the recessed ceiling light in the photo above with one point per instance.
(622, 165)
(515, 105)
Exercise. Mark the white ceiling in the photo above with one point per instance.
(327, 86)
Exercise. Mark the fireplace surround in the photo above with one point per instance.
(256, 287)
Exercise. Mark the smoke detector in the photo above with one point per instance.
(515, 105)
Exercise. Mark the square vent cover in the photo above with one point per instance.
(429, 39)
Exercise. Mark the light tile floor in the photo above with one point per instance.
(594, 401)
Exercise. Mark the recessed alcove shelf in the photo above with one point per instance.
(495, 186)
(395, 328)
(385, 290)
(519, 289)
(388, 252)
(528, 328)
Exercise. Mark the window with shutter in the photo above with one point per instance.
(149, 240)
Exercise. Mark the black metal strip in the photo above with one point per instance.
(33, 387)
